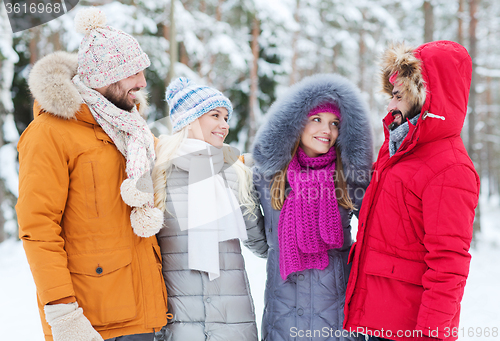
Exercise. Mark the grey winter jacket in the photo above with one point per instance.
(221, 309)
(309, 304)
(310, 299)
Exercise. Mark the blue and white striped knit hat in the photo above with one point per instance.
(187, 101)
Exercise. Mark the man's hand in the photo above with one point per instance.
(69, 324)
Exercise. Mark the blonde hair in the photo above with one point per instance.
(278, 186)
(166, 149)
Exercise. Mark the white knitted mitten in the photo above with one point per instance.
(69, 324)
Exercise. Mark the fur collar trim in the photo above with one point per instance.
(288, 115)
(400, 58)
(50, 84)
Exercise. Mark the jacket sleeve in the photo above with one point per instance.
(43, 191)
(254, 221)
(448, 204)
(256, 241)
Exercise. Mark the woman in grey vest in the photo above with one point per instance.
(207, 195)
(313, 158)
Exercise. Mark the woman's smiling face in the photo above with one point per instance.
(211, 127)
(320, 133)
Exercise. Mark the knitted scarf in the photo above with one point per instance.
(309, 222)
(213, 211)
(397, 135)
(132, 137)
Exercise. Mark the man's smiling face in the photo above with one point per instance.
(399, 107)
(122, 93)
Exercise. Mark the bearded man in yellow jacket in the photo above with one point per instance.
(85, 208)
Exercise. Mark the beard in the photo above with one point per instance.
(414, 111)
(395, 124)
(119, 97)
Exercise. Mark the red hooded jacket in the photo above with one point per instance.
(411, 259)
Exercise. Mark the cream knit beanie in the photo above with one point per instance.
(106, 55)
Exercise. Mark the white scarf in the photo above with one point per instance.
(214, 213)
(134, 140)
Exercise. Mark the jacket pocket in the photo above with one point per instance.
(157, 252)
(103, 285)
(384, 265)
(89, 177)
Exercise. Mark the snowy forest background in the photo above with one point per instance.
(254, 49)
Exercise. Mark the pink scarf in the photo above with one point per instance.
(309, 222)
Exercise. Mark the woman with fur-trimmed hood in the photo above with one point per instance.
(313, 158)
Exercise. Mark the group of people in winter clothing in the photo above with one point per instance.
(112, 218)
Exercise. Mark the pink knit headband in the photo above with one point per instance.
(325, 107)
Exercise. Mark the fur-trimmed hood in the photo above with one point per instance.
(439, 75)
(401, 59)
(51, 86)
(288, 115)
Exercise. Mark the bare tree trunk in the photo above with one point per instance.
(497, 174)
(460, 16)
(429, 21)
(55, 39)
(169, 34)
(218, 10)
(203, 9)
(336, 54)
(184, 58)
(293, 73)
(173, 43)
(213, 58)
(473, 4)
(362, 52)
(5, 86)
(2, 187)
(460, 34)
(472, 97)
(254, 83)
(489, 144)
(35, 37)
(2, 219)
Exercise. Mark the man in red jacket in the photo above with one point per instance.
(411, 259)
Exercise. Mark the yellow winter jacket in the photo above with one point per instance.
(73, 222)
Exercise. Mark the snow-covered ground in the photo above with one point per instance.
(480, 317)
(19, 319)
(481, 302)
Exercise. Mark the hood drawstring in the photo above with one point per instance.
(428, 114)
